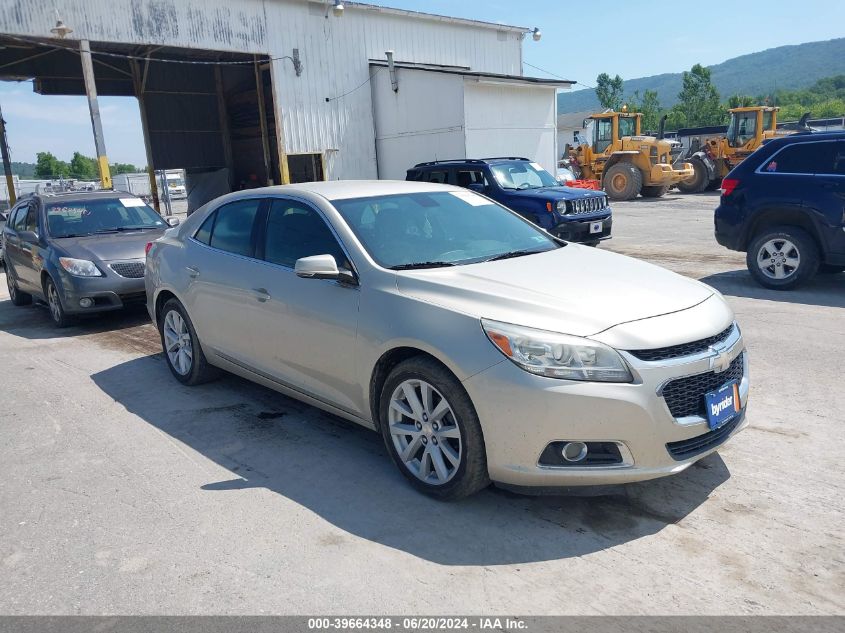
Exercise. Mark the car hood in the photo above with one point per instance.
(109, 246)
(556, 193)
(575, 290)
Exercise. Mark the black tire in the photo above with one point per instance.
(470, 475)
(788, 243)
(714, 185)
(55, 305)
(623, 181)
(654, 191)
(830, 269)
(199, 371)
(698, 182)
(17, 297)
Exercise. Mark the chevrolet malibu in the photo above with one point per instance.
(417, 310)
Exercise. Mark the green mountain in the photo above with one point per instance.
(781, 68)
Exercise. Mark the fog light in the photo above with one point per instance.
(86, 302)
(574, 451)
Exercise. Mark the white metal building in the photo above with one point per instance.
(287, 90)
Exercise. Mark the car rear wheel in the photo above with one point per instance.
(623, 181)
(182, 349)
(782, 257)
(18, 298)
(54, 302)
(432, 431)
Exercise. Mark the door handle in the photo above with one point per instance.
(193, 273)
(261, 294)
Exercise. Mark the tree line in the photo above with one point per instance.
(700, 104)
(80, 167)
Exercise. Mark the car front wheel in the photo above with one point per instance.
(782, 257)
(432, 431)
(181, 346)
(54, 302)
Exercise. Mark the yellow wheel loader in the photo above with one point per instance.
(713, 152)
(626, 162)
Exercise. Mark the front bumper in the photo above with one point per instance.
(579, 230)
(111, 292)
(522, 413)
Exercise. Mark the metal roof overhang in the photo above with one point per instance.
(479, 76)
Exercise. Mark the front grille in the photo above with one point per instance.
(685, 449)
(684, 349)
(586, 205)
(685, 396)
(130, 270)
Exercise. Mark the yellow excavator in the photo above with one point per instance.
(714, 152)
(625, 161)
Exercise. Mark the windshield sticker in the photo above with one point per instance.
(133, 202)
(70, 213)
(536, 166)
(470, 198)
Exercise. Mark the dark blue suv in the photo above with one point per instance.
(577, 215)
(784, 206)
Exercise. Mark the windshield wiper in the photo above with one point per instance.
(419, 265)
(510, 254)
(121, 229)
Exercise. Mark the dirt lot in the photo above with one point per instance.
(122, 492)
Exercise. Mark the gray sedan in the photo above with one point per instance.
(480, 347)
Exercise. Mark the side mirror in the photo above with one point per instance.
(477, 186)
(172, 221)
(317, 267)
(28, 236)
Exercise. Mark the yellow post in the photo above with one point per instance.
(94, 108)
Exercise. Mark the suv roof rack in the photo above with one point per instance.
(449, 160)
(505, 158)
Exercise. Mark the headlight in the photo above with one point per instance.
(561, 206)
(80, 267)
(557, 355)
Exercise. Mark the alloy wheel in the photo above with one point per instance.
(778, 258)
(177, 343)
(425, 432)
(13, 291)
(54, 302)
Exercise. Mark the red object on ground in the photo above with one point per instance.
(584, 184)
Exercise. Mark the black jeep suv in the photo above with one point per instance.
(784, 206)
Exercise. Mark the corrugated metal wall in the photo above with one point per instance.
(334, 53)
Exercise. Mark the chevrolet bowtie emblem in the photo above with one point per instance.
(720, 360)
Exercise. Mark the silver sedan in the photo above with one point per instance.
(480, 347)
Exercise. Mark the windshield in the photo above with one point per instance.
(439, 229)
(627, 126)
(86, 217)
(522, 175)
(175, 182)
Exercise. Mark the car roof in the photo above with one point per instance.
(477, 161)
(800, 137)
(345, 189)
(78, 196)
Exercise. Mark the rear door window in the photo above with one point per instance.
(233, 227)
(441, 176)
(803, 158)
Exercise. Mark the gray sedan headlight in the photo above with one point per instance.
(557, 355)
(80, 267)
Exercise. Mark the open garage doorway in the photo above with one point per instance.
(210, 113)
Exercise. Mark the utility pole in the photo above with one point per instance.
(7, 165)
(93, 106)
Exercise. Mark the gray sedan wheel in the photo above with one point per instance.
(432, 431)
(54, 302)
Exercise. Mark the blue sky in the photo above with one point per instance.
(580, 40)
